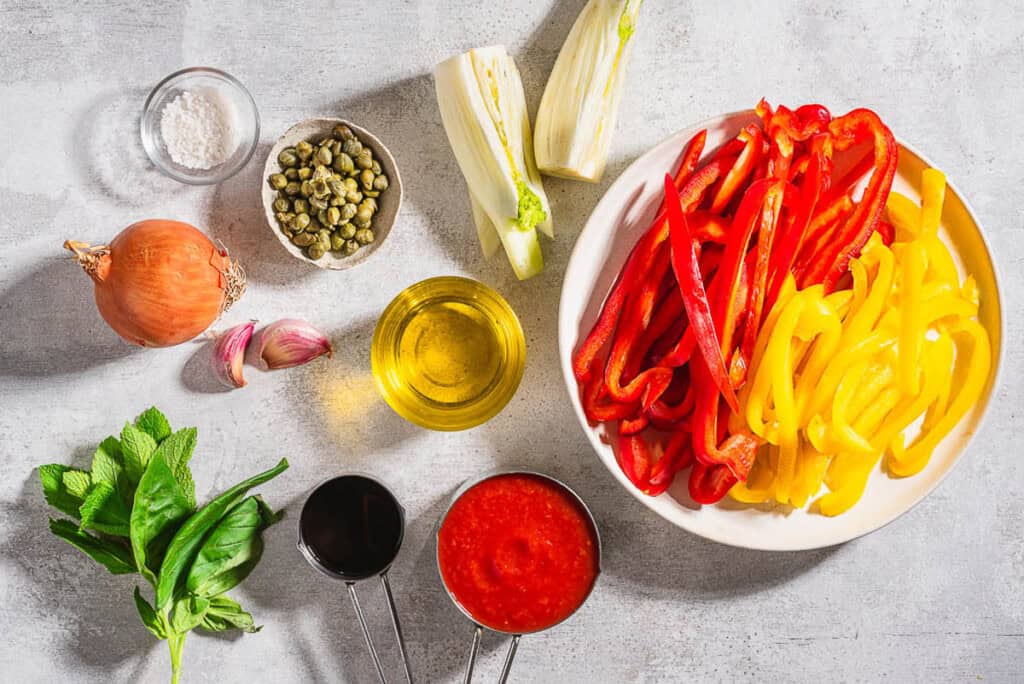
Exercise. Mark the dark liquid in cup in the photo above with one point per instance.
(352, 526)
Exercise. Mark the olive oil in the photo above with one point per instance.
(448, 353)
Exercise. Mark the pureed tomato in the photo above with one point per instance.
(518, 553)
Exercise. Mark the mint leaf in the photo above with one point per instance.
(77, 482)
(177, 450)
(149, 617)
(52, 478)
(106, 462)
(154, 424)
(116, 558)
(104, 511)
(137, 447)
(224, 614)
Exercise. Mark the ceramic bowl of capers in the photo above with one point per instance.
(331, 192)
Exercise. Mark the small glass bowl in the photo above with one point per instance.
(232, 95)
(473, 307)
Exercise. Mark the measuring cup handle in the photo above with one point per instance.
(366, 631)
(398, 626)
(477, 635)
(508, 659)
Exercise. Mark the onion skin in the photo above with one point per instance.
(161, 282)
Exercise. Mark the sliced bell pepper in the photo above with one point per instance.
(708, 484)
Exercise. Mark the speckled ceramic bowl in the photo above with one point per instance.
(390, 200)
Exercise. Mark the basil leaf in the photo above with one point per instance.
(52, 478)
(114, 557)
(149, 617)
(230, 551)
(224, 614)
(137, 447)
(154, 424)
(188, 613)
(186, 542)
(160, 506)
(177, 450)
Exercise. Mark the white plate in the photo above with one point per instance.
(616, 224)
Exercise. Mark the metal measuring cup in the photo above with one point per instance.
(350, 579)
(478, 628)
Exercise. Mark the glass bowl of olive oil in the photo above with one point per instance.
(448, 353)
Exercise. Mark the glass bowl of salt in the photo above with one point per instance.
(200, 126)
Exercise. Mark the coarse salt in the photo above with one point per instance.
(198, 129)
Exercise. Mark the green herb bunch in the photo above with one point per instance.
(136, 512)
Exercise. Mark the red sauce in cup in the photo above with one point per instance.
(518, 553)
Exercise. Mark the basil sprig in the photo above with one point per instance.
(136, 513)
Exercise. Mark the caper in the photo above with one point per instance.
(300, 206)
(324, 236)
(336, 202)
(354, 196)
(315, 252)
(348, 211)
(284, 217)
(318, 203)
(314, 225)
(291, 174)
(364, 236)
(278, 181)
(351, 247)
(304, 173)
(347, 231)
(372, 193)
(301, 221)
(292, 188)
(320, 188)
(364, 215)
(321, 216)
(369, 203)
(324, 155)
(351, 184)
(337, 188)
(281, 205)
(304, 150)
(364, 161)
(343, 132)
(303, 239)
(333, 216)
(366, 178)
(380, 183)
(335, 147)
(321, 172)
(287, 157)
(343, 163)
(306, 188)
(352, 147)
(337, 243)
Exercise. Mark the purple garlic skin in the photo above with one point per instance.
(229, 354)
(292, 342)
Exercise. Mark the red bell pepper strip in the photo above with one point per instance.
(695, 299)
(596, 407)
(887, 231)
(633, 426)
(745, 163)
(771, 210)
(677, 456)
(634, 321)
(813, 113)
(853, 175)
(847, 130)
(637, 264)
(709, 484)
(634, 457)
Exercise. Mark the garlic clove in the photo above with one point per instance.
(229, 353)
(291, 342)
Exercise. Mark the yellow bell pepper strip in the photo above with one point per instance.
(915, 261)
(933, 191)
(910, 461)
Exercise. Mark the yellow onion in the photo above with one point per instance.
(160, 282)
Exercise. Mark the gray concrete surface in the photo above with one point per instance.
(934, 597)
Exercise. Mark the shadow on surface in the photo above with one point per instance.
(49, 324)
(97, 615)
(238, 221)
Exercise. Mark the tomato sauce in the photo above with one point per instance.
(518, 553)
